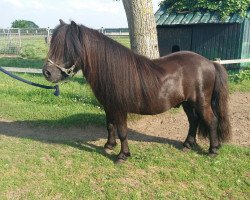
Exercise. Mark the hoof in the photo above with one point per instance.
(213, 155)
(122, 157)
(109, 147)
(119, 161)
(185, 149)
(108, 151)
(188, 145)
(213, 152)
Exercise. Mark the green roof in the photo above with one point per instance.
(163, 17)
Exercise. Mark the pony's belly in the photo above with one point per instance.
(154, 109)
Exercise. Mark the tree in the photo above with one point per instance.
(142, 27)
(223, 7)
(23, 24)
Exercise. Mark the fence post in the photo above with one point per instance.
(48, 36)
(20, 41)
(218, 60)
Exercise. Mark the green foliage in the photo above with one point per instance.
(243, 75)
(239, 81)
(23, 24)
(223, 7)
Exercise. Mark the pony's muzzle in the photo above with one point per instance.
(47, 74)
(52, 74)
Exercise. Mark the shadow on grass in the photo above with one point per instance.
(80, 137)
(22, 62)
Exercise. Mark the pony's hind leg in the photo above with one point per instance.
(193, 120)
(211, 124)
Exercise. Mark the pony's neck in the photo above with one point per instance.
(102, 51)
(118, 76)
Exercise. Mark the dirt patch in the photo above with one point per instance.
(175, 125)
(168, 127)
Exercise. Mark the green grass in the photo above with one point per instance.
(47, 166)
(34, 48)
(239, 81)
(243, 86)
(35, 165)
(124, 40)
(76, 106)
(21, 62)
(32, 168)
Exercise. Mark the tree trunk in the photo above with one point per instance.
(142, 27)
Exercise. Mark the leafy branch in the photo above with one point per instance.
(223, 7)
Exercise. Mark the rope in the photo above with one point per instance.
(56, 87)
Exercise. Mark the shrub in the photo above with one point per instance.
(223, 7)
(241, 76)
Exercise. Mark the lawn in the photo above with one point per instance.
(36, 163)
(40, 165)
(32, 168)
(76, 106)
(36, 104)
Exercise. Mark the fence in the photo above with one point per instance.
(32, 44)
(39, 71)
(14, 42)
(223, 62)
(114, 31)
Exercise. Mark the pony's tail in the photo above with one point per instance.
(220, 103)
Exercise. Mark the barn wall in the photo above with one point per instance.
(210, 40)
(174, 35)
(217, 41)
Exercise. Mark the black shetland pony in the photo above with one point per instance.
(125, 82)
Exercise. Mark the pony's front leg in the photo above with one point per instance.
(122, 134)
(111, 142)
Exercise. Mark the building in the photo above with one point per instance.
(204, 33)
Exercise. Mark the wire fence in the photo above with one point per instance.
(27, 48)
(14, 41)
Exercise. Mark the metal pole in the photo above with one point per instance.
(48, 36)
(20, 41)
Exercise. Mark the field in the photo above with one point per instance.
(34, 51)
(51, 148)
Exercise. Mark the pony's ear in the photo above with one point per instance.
(74, 27)
(62, 22)
(73, 24)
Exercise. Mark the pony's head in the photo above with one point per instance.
(63, 59)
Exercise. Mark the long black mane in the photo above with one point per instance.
(119, 77)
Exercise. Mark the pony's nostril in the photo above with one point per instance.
(46, 73)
